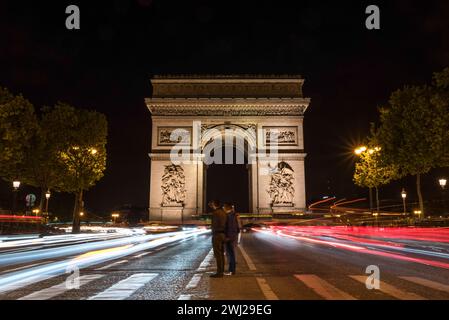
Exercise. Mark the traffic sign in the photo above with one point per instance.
(30, 200)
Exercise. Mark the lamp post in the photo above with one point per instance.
(16, 185)
(443, 183)
(47, 198)
(358, 152)
(404, 195)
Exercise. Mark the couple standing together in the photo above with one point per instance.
(225, 233)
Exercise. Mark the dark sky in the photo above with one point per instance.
(107, 65)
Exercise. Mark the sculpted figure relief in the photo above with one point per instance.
(281, 189)
(173, 185)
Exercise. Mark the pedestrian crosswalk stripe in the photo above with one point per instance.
(266, 289)
(59, 289)
(125, 288)
(193, 283)
(323, 288)
(206, 261)
(392, 290)
(25, 282)
(428, 283)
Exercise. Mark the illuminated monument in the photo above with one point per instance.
(189, 113)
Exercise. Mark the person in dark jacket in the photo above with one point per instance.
(232, 231)
(218, 236)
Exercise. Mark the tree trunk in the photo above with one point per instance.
(377, 199)
(76, 212)
(371, 200)
(418, 189)
(41, 202)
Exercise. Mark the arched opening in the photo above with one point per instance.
(227, 173)
(229, 182)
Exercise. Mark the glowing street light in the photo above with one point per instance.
(418, 213)
(360, 150)
(47, 198)
(404, 195)
(443, 183)
(115, 216)
(16, 184)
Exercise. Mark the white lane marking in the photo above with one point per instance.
(58, 289)
(25, 282)
(248, 260)
(428, 283)
(125, 288)
(25, 267)
(392, 290)
(193, 283)
(112, 265)
(323, 288)
(266, 289)
(142, 254)
(206, 262)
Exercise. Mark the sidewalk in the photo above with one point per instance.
(242, 286)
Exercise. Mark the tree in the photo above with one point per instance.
(414, 128)
(440, 98)
(371, 170)
(81, 151)
(18, 126)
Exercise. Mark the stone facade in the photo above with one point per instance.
(265, 111)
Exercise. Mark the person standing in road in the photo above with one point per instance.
(232, 231)
(218, 236)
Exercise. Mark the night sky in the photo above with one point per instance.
(107, 65)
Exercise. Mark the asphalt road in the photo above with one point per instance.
(287, 263)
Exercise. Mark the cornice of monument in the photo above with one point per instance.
(228, 106)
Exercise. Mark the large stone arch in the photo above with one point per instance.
(258, 110)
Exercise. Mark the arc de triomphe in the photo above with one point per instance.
(190, 113)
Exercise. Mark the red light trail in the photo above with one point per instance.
(394, 243)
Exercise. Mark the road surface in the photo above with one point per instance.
(291, 263)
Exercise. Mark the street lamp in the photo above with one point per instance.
(358, 152)
(418, 213)
(443, 183)
(47, 197)
(115, 216)
(15, 185)
(404, 195)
